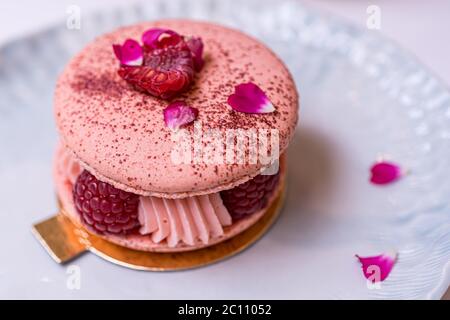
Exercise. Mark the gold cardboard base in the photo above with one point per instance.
(64, 241)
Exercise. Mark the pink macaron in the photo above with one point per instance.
(168, 130)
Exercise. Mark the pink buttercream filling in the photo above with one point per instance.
(188, 220)
(191, 220)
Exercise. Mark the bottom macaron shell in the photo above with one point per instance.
(143, 242)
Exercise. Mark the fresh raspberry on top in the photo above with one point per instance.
(164, 73)
(103, 208)
(250, 196)
(168, 65)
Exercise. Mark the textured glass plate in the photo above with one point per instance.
(361, 98)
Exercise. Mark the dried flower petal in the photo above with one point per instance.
(178, 114)
(384, 173)
(195, 44)
(378, 268)
(249, 98)
(160, 38)
(130, 53)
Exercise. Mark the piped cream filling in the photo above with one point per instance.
(189, 220)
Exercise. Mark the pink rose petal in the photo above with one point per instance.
(178, 114)
(249, 98)
(378, 268)
(158, 38)
(195, 44)
(130, 53)
(384, 173)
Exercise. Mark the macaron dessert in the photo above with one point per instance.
(171, 133)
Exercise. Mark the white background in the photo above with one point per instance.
(422, 27)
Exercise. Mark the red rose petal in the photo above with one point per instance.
(178, 114)
(160, 38)
(130, 53)
(384, 173)
(249, 98)
(195, 44)
(377, 268)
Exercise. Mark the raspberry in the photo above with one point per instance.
(249, 197)
(166, 70)
(103, 208)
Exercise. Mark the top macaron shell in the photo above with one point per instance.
(119, 134)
